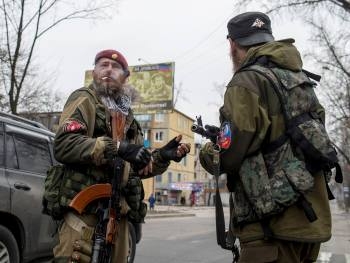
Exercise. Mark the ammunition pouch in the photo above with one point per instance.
(134, 194)
(269, 183)
(138, 216)
(52, 192)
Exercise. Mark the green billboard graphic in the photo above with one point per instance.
(154, 84)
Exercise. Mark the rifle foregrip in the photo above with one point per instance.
(111, 231)
(89, 194)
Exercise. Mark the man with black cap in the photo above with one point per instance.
(84, 144)
(280, 212)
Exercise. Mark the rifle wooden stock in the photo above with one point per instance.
(89, 194)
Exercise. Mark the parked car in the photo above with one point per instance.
(26, 235)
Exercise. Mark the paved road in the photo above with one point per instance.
(181, 239)
(193, 239)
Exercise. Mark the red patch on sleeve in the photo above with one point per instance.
(73, 126)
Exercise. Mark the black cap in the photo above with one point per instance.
(250, 28)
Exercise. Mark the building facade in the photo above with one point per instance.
(177, 183)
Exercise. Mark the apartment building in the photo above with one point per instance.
(179, 180)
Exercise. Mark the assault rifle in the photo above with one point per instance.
(208, 131)
(108, 216)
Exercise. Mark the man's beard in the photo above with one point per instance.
(114, 90)
(235, 61)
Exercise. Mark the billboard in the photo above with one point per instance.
(154, 83)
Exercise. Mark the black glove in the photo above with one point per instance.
(138, 155)
(168, 152)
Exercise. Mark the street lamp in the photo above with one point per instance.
(143, 60)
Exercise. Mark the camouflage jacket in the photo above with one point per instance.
(254, 112)
(81, 139)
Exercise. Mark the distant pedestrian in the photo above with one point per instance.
(151, 201)
(192, 198)
(183, 200)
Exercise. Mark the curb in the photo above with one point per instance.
(165, 215)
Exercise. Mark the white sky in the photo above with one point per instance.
(192, 33)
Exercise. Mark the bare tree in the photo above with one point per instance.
(23, 23)
(334, 56)
(178, 94)
(220, 90)
(339, 8)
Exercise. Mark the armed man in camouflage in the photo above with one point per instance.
(83, 143)
(280, 209)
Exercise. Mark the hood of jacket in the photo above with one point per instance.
(282, 52)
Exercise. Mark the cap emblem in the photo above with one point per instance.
(114, 56)
(258, 23)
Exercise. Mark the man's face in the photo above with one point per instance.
(108, 76)
(158, 81)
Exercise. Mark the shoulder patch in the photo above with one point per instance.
(73, 125)
(225, 136)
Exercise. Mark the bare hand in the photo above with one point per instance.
(183, 148)
(146, 170)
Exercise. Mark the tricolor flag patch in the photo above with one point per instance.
(224, 139)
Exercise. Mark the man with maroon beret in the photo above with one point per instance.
(84, 144)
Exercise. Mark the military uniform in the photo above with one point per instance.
(253, 111)
(80, 143)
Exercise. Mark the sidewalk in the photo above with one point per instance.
(171, 211)
(340, 241)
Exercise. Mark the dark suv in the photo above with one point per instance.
(26, 235)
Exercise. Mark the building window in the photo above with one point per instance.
(184, 161)
(159, 117)
(182, 123)
(143, 117)
(170, 177)
(145, 134)
(159, 178)
(158, 136)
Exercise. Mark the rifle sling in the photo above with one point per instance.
(219, 211)
(220, 219)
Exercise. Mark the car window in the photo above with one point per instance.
(11, 157)
(2, 157)
(33, 153)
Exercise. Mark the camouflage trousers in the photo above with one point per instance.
(81, 227)
(278, 251)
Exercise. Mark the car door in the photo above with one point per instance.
(27, 160)
(4, 186)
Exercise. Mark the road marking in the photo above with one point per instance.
(324, 257)
(329, 257)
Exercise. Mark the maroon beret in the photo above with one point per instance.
(114, 55)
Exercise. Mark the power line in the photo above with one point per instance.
(206, 65)
(200, 55)
(205, 38)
